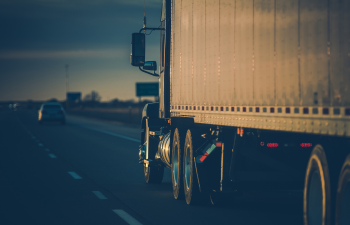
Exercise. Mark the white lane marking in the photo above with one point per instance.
(99, 195)
(74, 175)
(46, 149)
(41, 145)
(110, 133)
(125, 216)
(52, 156)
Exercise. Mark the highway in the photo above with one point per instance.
(87, 172)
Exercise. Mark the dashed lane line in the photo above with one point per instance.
(121, 213)
(111, 133)
(74, 175)
(125, 216)
(99, 195)
(53, 156)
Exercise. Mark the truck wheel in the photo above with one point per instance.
(153, 174)
(342, 209)
(317, 193)
(191, 188)
(176, 166)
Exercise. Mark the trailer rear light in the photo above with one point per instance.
(306, 145)
(218, 144)
(272, 145)
(202, 158)
(240, 131)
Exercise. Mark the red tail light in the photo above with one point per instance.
(306, 145)
(218, 144)
(272, 145)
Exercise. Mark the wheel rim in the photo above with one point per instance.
(315, 200)
(146, 149)
(176, 163)
(188, 166)
(345, 205)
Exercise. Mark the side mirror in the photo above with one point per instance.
(150, 65)
(137, 56)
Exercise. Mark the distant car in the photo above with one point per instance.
(51, 111)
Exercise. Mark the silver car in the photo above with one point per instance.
(52, 111)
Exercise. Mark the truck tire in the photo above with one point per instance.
(153, 174)
(193, 195)
(342, 209)
(176, 165)
(317, 189)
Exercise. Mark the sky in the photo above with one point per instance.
(38, 38)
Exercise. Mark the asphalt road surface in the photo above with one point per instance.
(87, 172)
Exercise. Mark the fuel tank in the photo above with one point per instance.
(164, 150)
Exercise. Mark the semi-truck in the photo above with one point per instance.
(253, 94)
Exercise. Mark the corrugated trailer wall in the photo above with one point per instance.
(226, 92)
(199, 52)
(287, 55)
(285, 58)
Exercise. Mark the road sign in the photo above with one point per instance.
(147, 89)
(73, 96)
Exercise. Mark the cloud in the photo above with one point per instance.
(70, 54)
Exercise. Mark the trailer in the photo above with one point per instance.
(254, 94)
